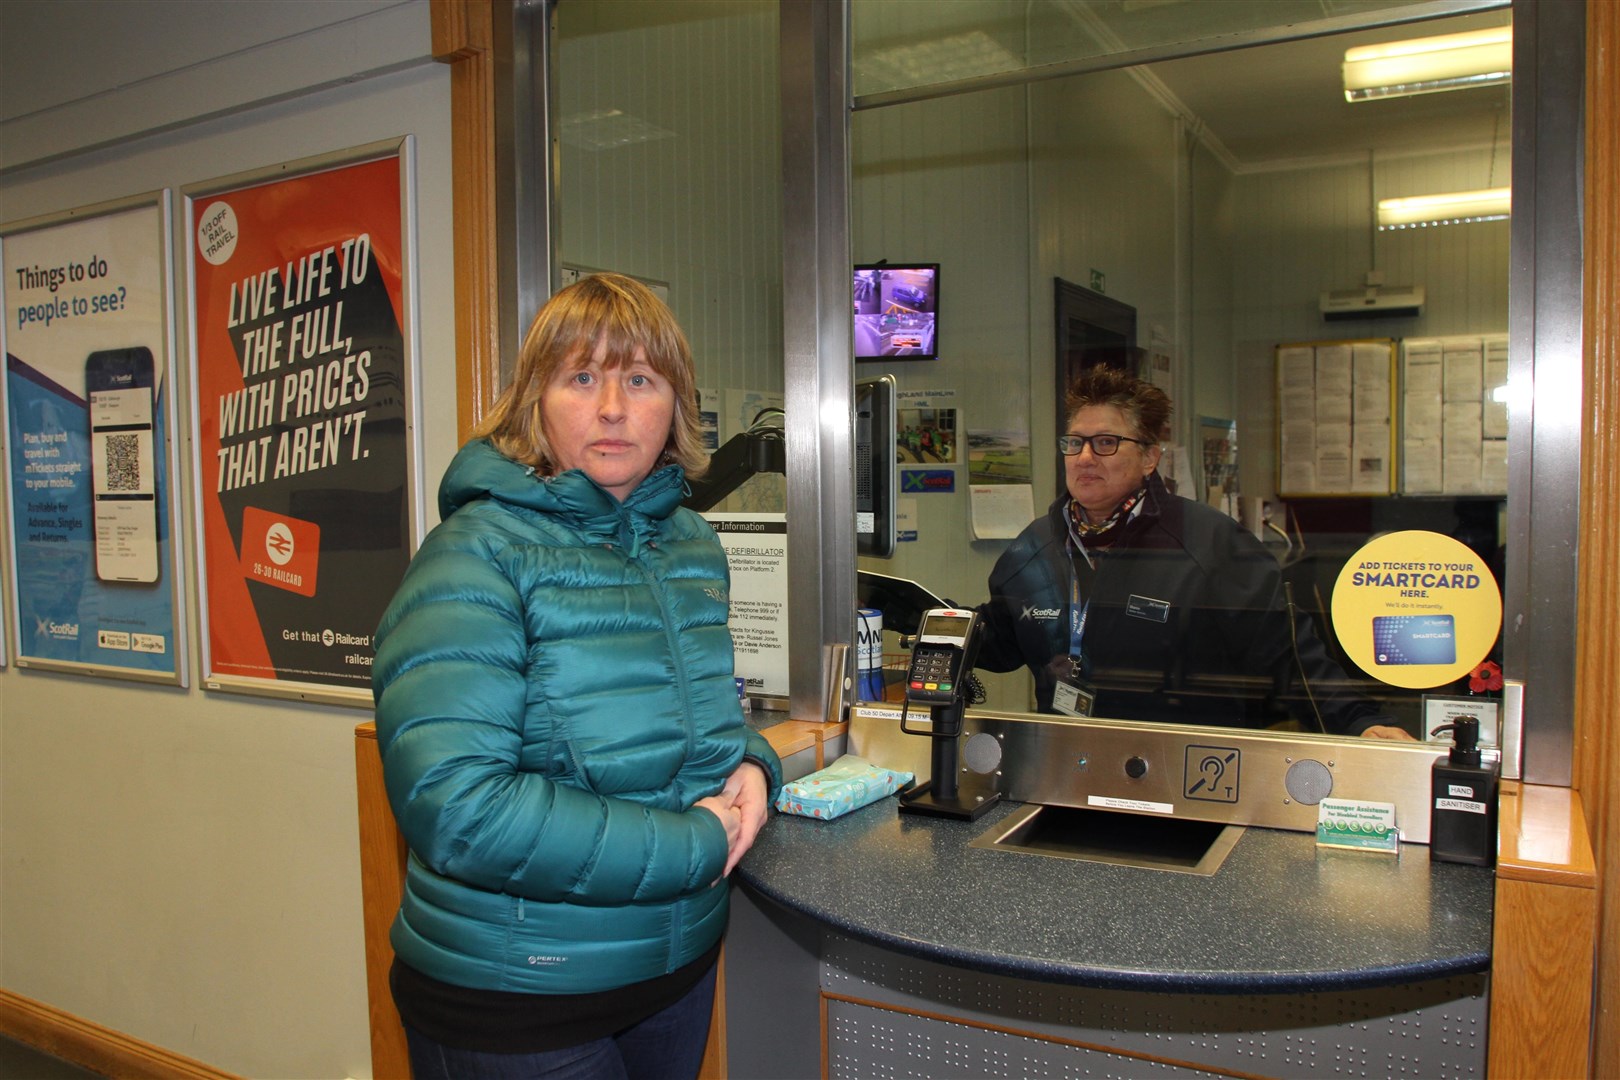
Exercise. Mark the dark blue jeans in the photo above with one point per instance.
(666, 1046)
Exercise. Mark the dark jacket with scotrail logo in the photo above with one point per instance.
(1185, 621)
(554, 690)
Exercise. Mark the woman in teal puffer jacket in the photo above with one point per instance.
(561, 737)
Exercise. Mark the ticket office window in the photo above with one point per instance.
(1106, 178)
(1095, 179)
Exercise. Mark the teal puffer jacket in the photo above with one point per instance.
(554, 689)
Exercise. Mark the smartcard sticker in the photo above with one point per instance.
(1416, 609)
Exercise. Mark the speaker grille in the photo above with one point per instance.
(1309, 781)
(982, 753)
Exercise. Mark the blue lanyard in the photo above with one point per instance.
(1077, 619)
(1078, 610)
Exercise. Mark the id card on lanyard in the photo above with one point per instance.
(1072, 695)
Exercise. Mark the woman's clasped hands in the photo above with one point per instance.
(742, 809)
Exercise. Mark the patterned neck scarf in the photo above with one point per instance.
(1086, 530)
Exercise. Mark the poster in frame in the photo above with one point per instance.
(301, 319)
(94, 565)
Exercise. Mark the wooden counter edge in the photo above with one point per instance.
(794, 736)
(1542, 837)
(1543, 945)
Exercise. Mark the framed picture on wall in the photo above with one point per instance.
(301, 313)
(90, 407)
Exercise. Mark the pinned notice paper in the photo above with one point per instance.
(1000, 511)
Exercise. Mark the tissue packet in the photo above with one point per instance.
(847, 784)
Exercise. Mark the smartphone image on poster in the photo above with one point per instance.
(119, 385)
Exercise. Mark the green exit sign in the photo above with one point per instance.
(1099, 281)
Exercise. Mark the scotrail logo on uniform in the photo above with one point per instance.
(1045, 614)
(280, 550)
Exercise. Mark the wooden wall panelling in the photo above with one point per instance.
(1597, 650)
(463, 38)
(382, 883)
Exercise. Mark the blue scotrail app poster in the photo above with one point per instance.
(88, 418)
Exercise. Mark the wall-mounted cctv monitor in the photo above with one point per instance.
(897, 311)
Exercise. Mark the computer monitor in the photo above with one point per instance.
(876, 468)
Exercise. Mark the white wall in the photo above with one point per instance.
(1110, 187)
(178, 865)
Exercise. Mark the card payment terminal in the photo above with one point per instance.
(946, 641)
(941, 663)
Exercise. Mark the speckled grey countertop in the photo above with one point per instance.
(1276, 917)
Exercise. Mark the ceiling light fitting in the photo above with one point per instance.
(1428, 65)
(1455, 208)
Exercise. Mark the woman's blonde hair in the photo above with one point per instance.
(604, 309)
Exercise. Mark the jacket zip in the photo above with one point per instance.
(683, 688)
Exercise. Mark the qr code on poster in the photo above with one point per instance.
(122, 462)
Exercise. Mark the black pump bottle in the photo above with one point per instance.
(1462, 820)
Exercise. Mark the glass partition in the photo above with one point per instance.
(1180, 220)
(668, 168)
(1153, 216)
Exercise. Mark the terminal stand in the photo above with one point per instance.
(940, 796)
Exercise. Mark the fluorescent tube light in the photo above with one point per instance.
(947, 59)
(1455, 208)
(608, 129)
(1427, 65)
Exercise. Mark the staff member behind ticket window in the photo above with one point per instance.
(1127, 601)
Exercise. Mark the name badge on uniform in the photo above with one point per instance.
(1072, 698)
(1145, 607)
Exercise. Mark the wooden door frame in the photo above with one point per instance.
(1597, 635)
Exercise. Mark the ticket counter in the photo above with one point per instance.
(887, 944)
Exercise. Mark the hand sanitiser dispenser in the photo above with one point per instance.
(1462, 819)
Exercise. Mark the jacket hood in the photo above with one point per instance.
(479, 471)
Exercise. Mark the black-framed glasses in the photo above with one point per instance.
(1101, 445)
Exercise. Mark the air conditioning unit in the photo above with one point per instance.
(1373, 302)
